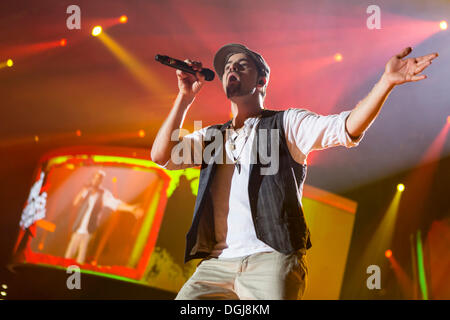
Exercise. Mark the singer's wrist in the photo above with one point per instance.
(185, 99)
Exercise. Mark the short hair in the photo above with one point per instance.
(101, 172)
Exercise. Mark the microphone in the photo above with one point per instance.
(183, 66)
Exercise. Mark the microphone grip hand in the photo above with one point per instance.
(189, 85)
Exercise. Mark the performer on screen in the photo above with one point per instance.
(248, 227)
(91, 200)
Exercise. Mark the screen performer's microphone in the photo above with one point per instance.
(183, 66)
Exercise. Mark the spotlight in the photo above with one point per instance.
(4, 286)
(9, 63)
(114, 179)
(123, 19)
(96, 31)
(78, 133)
(36, 138)
(141, 133)
(338, 57)
(443, 25)
(401, 187)
(448, 119)
(388, 253)
(63, 42)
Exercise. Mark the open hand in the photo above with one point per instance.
(399, 71)
(138, 212)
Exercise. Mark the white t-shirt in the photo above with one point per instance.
(108, 201)
(304, 131)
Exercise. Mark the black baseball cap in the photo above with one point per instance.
(224, 52)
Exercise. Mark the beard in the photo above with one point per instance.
(233, 90)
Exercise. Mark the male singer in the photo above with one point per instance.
(91, 201)
(249, 228)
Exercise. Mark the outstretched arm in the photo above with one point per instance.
(136, 210)
(118, 205)
(397, 72)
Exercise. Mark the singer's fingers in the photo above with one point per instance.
(184, 75)
(404, 53)
(196, 65)
(418, 77)
(427, 57)
(200, 77)
(188, 62)
(422, 67)
(181, 75)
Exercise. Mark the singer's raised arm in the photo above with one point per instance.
(397, 72)
(188, 85)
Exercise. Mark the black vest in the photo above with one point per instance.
(94, 218)
(274, 199)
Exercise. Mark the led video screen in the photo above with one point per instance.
(102, 209)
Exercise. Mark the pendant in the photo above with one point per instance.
(238, 166)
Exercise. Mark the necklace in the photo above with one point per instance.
(237, 160)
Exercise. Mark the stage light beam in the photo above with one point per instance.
(9, 63)
(96, 31)
(123, 19)
(63, 42)
(141, 133)
(141, 72)
(401, 187)
(443, 25)
(388, 253)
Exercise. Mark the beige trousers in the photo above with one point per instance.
(260, 276)
(78, 243)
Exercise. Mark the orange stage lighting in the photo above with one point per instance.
(123, 19)
(338, 57)
(96, 31)
(78, 133)
(21, 51)
(388, 253)
(448, 119)
(443, 25)
(36, 138)
(141, 133)
(8, 63)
